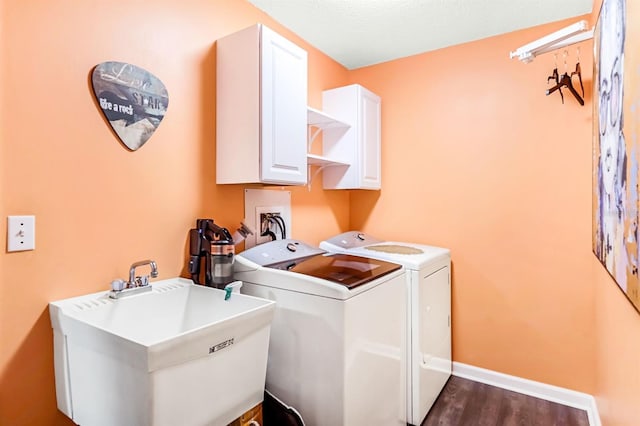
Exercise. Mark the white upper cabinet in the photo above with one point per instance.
(261, 109)
(358, 145)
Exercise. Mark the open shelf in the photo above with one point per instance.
(318, 160)
(317, 122)
(322, 120)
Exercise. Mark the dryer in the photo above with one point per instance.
(337, 350)
(428, 282)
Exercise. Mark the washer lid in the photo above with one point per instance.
(395, 249)
(344, 269)
(410, 255)
(279, 264)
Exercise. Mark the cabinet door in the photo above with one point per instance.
(370, 145)
(283, 105)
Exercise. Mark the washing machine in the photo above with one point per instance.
(337, 350)
(428, 282)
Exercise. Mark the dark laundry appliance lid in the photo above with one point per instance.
(344, 269)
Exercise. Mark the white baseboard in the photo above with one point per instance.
(571, 398)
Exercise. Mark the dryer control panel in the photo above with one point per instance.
(349, 240)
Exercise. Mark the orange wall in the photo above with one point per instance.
(618, 346)
(617, 322)
(478, 159)
(99, 207)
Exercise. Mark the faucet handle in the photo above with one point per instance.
(142, 281)
(118, 284)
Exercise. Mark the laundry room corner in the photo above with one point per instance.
(483, 162)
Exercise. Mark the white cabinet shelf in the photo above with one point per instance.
(322, 120)
(317, 122)
(319, 160)
(322, 163)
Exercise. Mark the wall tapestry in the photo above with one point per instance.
(615, 154)
(133, 100)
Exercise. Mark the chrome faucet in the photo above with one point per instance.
(135, 285)
(143, 280)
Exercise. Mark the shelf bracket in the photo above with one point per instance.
(320, 168)
(312, 135)
(311, 177)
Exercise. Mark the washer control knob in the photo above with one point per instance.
(292, 247)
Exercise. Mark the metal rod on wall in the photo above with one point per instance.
(564, 37)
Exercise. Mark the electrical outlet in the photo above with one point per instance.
(264, 224)
(21, 233)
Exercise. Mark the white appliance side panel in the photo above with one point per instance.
(375, 384)
(284, 110)
(306, 353)
(431, 338)
(370, 152)
(238, 107)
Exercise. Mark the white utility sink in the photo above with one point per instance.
(177, 355)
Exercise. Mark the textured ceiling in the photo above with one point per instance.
(357, 33)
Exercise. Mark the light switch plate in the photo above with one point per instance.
(21, 233)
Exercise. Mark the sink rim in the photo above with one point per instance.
(72, 308)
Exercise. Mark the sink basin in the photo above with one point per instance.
(177, 355)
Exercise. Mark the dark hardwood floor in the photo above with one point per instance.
(464, 402)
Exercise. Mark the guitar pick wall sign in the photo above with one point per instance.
(133, 101)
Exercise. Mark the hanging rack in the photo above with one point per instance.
(567, 36)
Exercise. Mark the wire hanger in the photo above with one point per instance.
(578, 71)
(565, 81)
(555, 77)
